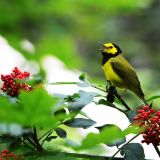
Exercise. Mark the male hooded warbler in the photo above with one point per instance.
(119, 71)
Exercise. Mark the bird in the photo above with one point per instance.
(118, 71)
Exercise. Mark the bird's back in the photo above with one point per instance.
(121, 74)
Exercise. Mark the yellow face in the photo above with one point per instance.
(110, 48)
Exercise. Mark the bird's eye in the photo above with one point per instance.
(110, 47)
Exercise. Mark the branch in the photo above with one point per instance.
(157, 149)
(124, 145)
(35, 138)
(122, 101)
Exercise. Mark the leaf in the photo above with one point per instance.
(15, 144)
(115, 142)
(82, 84)
(130, 114)
(12, 129)
(152, 98)
(7, 138)
(37, 106)
(107, 103)
(81, 99)
(48, 139)
(80, 123)
(133, 151)
(51, 156)
(133, 129)
(106, 136)
(34, 108)
(61, 132)
(82, 77)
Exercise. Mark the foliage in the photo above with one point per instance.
(36, 118)
(70, 30)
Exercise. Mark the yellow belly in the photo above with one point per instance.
(112, 76)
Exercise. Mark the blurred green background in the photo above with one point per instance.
(72, 30)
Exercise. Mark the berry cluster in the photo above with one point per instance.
(6, 155)
(13, 82)
(150, 120)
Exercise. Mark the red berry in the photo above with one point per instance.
(10, 84)
(5, 151)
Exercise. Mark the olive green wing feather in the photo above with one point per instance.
(126, 72)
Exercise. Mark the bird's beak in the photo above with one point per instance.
(100, 50)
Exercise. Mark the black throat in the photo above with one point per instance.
(106, 57)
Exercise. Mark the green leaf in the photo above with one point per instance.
(106, 136)
(81, 100)
(79, 84)
(82, 77)
(133, 151)
(34, 108)
(107, 103)
(80, 123)
(133, 129)
(115, 142)
(130, 114)
(61, 132)
(48, 139)
(7, 138)
(152, 98)
(50, 156)
(37, 106)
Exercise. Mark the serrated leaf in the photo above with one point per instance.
(34, 108)
(61, 132)
(80, 123)
(133, 151)
(82, 77)
(115, 142)
(81, 100)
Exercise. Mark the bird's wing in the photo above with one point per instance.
(127, 73)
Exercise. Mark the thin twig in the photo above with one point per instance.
(35, 138)
(31, 142)
(27, 145)
(96, 87)
(122, 101)
(157, 149)
(123, 145)
(46, 137)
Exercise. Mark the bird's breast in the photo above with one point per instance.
(112, 76)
